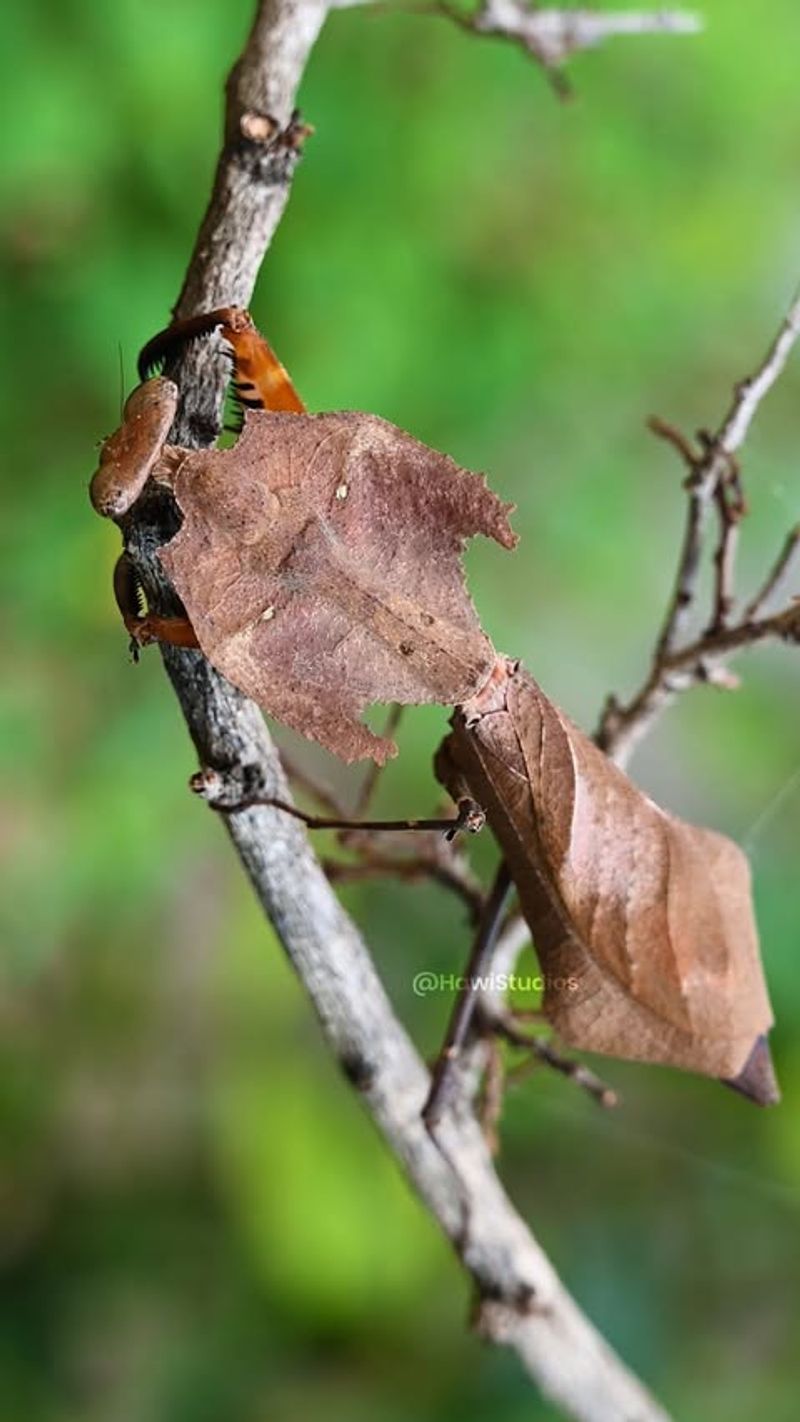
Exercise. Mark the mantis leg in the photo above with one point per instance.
(261, 381)
(469, 816)
(146, 627)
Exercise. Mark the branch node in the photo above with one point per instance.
(358, 1070)
(257, 127)
(495, 1319)
(266, 152)
(227, 787)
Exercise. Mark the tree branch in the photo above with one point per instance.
(552, 36)
(713, 478)
(521, 1301)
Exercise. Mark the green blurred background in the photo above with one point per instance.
(197, 1220)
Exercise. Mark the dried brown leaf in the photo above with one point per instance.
(319, 562)
(643, 924)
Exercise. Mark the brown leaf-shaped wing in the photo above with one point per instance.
(643, 924)
(319, 562)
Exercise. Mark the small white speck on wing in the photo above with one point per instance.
(341, 492)
(268, 614)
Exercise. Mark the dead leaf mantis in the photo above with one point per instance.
(319, 563)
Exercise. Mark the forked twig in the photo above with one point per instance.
(553, 35)
(713, 478)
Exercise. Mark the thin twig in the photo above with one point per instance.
(774, 577)
(434, 858)
(504, 1025)
(697, 659)
(672, 435)
(731, 509)
(713, 464)
(300, 779)
(699, 663)
(552, 36)
(446, 1076)
(411, 868)
(750, 392)
(492, 1094)
(373, 774)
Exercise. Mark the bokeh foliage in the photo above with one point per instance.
(197, 1221)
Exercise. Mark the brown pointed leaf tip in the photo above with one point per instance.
(320, 563)
(757, 1079)
(643, 924)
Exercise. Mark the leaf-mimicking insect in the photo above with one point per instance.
(319, 563)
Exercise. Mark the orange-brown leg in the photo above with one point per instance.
(261, 381)
(146, 627)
